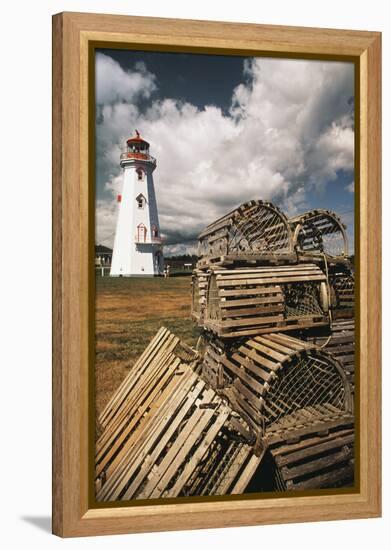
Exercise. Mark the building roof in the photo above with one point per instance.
(137, 139)
(101, 249)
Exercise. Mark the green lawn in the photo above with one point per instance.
(129, 312)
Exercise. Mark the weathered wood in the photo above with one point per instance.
(170, 426)
(315, 425)
(254, 228)
(307, 451)
(226, 304)
(319, 232)
(271, 377)
(293, 326)
(159, 360)
(199, 286)
(244, 302)
(342, 291)
(340, 342)
(312, 462)
(253, 259)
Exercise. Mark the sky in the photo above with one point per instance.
(225, 130)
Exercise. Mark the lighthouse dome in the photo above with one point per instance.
(137, 149)
(138, 142)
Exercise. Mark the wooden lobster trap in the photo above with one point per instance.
(255, 231)
(270, 377)
(311, 455)
(228, 465)
(340, 342)
(199, 287)
(167, 433)
(151, 381)
(319, 232)
(243, 302)
(342, 291)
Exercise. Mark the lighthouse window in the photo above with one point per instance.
(140, 201)
(155, 232)
(140, 174)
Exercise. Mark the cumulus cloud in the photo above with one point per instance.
(114, 84)
(290, 127)
(350, 187)
(106, 215)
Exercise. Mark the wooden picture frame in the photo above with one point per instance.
(74, 37)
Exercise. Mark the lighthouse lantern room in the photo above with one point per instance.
(137, 245)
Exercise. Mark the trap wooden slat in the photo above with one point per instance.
(313, 425)
(253, 312)
(158, 446)
(137, 462)
(120, 433)
(244, 302)
(198, 455)
(154, 376)
(319, 232)
(342, 291)
(269, 378)
(255, 228)
(134, 460)
(259, 330)
(340, 342)
(199, 287)
(248, 473)
(120, 395)
(272, 279)
(306, 451)
(236, 473)
(262, 291)
(134, 394)
(226, 304)
(306, 461)
(252, 259)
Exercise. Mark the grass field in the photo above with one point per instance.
(129, 312)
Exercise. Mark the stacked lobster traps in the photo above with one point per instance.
(256, 231)
(275, 300)
(265, 402)
(167, 433)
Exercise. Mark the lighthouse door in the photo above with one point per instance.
(141, 233)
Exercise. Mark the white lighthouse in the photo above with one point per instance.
(137, 245)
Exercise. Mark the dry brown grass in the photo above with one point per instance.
(129, 312)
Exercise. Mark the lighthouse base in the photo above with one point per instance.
(149, 276)
(141, 262)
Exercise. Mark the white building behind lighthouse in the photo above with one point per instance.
(137, 247)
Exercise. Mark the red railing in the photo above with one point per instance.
(143, 240)
(138, 156)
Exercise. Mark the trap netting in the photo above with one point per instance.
(304, 299)
(248, 301)
(280, 381)
(311, 381)
(255, 227)
(319, 231)
(259, 229)
(342, 289)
